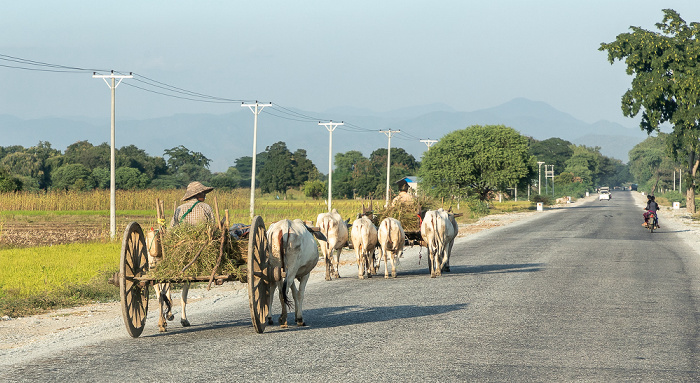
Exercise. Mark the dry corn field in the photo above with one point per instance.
(42, 219)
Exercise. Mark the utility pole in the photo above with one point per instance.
(112, 167)
(256, 111)
(549, 174)
(429, 143)
(331, 127)
(539, 177)
(388, 133)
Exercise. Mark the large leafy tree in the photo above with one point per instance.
(552, 151)
(584, 163)
(650, 164)
(357, 175)
(133, 157)
(184, 167)
(230, 179)
(33, 165)
(304, 169)
(666, 85)
(277, 175)
(71, 177)
(476, 161)
(180, 156)
(84, 153)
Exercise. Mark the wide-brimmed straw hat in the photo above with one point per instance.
(195, 188)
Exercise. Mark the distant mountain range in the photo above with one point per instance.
(226, 137)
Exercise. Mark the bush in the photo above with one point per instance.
(315, 189)
(477, 207)
(545, 199)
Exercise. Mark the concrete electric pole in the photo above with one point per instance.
(388, 133)
(331, 127)
(112, 167)
(258, 108)
(539, 177)
(429, 143)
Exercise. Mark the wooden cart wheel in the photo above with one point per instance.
(258, 271)
(134, 263)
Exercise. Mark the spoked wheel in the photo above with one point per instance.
(134, 263)
(258, 274)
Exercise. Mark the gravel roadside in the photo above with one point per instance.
(24, 339)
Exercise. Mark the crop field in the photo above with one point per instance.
(55, 249)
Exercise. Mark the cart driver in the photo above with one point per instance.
(194, 210)
(404, 196)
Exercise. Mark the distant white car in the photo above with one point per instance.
(604, 195)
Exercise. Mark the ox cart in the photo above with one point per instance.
(135, 278)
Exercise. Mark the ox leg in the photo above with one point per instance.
(360, 264)
(273, 287)
(162, 324)
(327, 254)
(445, 262)
(384, 254)
(169, 313)
(298, 295)
(283, 315)
(183, 302)
(335, 267)
(432, 256)
(369, 265)
(376, 261)
(448, 253)
(394, 259)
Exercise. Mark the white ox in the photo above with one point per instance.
(291, 247)
(335, 230)
(391, 240)
(438, 232)
(364, 241)
(155, 255)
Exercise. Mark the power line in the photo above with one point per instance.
(167, 90)
(180, 97)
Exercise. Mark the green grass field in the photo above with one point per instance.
(40, 278)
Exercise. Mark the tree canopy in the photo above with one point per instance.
(357, 175)
(665, 85)
(476, 161)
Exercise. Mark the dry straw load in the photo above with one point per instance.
(193, 251)
(405, 212)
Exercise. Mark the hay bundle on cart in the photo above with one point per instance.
(406, 212)
(190, 251)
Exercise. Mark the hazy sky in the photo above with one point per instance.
(317, 55)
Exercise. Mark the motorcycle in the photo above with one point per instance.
(652, 222)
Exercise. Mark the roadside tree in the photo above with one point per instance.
(666, 85)
(476, 161)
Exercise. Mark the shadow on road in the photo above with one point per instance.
(176, 329)
(479, 269)
(348, 315)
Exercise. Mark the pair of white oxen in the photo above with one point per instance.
(292, 247)
(438, 229)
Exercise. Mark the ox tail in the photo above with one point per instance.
(324, 229)
(281, 245)
(389, 243)
(436, 235)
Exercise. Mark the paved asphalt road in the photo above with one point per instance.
(583, 293)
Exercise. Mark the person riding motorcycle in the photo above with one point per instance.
(652, 206)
